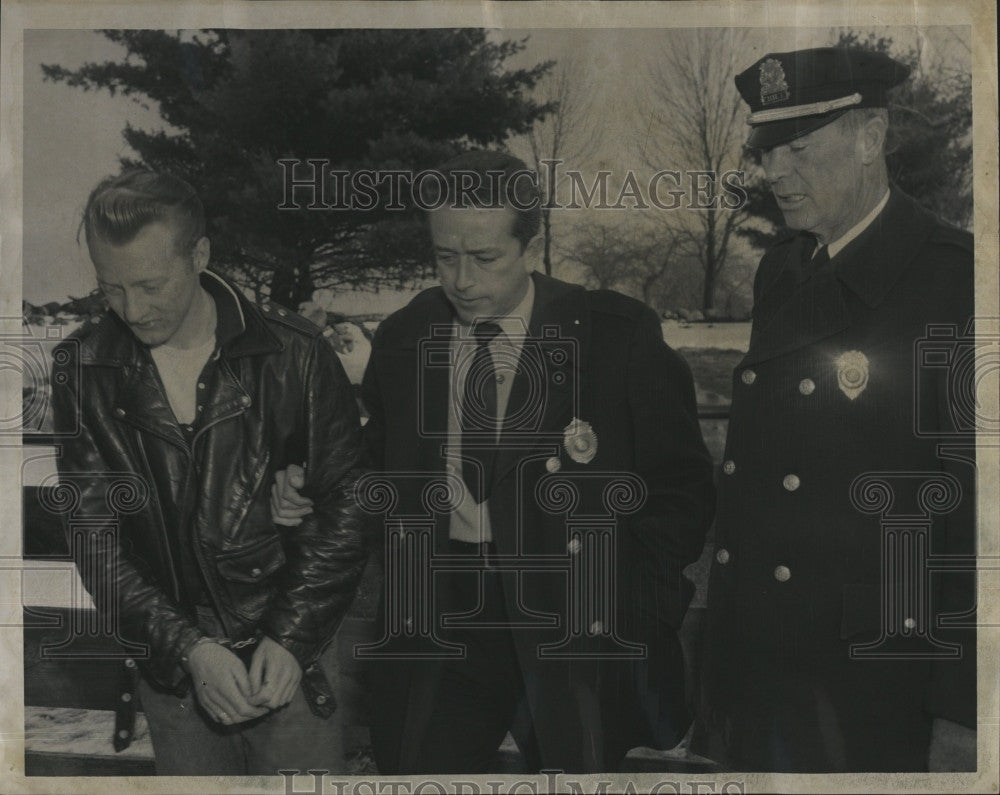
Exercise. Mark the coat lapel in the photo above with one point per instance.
(872, 263)
(794, 313)
(546, 388)
(416, 371)
(814, 311)
(142, 402)
(228, 398)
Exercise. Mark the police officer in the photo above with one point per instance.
(824, 651)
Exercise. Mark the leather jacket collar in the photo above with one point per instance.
(242, 330)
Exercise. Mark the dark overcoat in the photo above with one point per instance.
(598, 357)
(848, 482)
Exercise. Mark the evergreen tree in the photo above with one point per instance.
(237, 102)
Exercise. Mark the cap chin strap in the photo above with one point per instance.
(812, 109)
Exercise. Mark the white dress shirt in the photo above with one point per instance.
(471, 521)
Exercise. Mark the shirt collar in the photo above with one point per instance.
(841, 242)
(515, 323)
(230, 321)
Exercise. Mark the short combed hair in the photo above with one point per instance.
(121, 206)
(500, 179)
(856, 118)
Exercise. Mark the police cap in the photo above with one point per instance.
(793, 93)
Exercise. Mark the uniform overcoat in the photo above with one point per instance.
(848, 478)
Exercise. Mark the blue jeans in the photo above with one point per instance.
(187, 742)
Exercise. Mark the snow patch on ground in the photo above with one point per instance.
(677, 333)
(365, 302)
(723, 336)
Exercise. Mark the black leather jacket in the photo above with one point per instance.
(130, 479)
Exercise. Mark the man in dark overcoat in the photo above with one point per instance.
(849, 473)
(569, 517)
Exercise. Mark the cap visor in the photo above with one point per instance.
(775, 133)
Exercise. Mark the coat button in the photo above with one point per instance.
(574, 546)
(722, 556)
(126, 697)
(807, 386)
(201, 385)
(130, 663)
(320, 699)
(596, 628)
(910, 623)
(245, 400)
(782, 574)
(282, 313)
(256, 571)
(791, 482)
(729, 467)
(553, 464)
(123, 733)
(119, 412)
(748, 377)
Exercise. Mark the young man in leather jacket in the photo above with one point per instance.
(187, 398)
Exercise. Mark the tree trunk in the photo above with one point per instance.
(708, 294)
(292, 285)
(711, 265)
(547, 231)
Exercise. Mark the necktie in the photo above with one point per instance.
(478, 412)
(813, 258)
(821, 259)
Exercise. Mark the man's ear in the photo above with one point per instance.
(200, 254)
(872, 140)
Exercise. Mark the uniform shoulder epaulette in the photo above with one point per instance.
(285, 317)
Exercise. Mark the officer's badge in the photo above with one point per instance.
(852, 373)
(580, 441)
(773, 87)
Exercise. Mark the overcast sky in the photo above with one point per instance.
(73, 138)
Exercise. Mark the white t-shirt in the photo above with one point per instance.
(179, 370)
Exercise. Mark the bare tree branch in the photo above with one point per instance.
(696, 125)
(570, 134)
